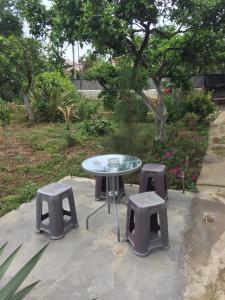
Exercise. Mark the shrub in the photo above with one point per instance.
(19, 113)
(5, 117)
(130, 109)
(199, 103)
(5, 114)
(85, 109)
(109, 99)
(50, 90)
(195, 102)
(97, 127)
(70, 139)
(191, 119)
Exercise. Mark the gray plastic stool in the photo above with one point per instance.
(138, 226)
(100, 187)
(153, 178)
(54, 194)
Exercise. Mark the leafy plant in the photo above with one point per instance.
(85, 109)
(5, 116)
(49, 91)
(67, 112)
(191, 119)
(199, 103)
(193, 102)
(9, 291)
(97, 127)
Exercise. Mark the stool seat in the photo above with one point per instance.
(53, 189)
(54, 194)
(147, 199)
(154, 168)
(144, 212)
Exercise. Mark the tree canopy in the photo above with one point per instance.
(172, 38)
(10, 22)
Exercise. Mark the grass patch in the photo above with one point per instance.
(37, 156)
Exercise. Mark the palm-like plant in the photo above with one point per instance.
(67, 112)
(9, 291)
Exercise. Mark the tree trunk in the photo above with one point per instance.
(160, 113)
(28, 109)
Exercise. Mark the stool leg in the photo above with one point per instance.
(38, 213)
(128, 219)
(56, 223)
(164, 226)
(72, 208)
(100, 189)
(142, 232)
(143, 182)
(160, 185)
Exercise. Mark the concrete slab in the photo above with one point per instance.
(204, 243)
(212, 173)
(88, 265)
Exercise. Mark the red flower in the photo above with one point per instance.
(168, 154)
(194, 178)
(167, 90)
(175, 170)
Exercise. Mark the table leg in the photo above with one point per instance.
(107, 194)
(115, 208)
(96, 210)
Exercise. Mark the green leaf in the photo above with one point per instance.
(10, 288)
(22, 293)
(3, 247)
(5, 265)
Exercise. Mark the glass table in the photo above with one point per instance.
(111, 166)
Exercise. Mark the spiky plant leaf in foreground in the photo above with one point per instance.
(8, 292)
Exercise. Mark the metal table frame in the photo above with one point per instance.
(111, 177)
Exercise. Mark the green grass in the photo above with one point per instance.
(40, 155)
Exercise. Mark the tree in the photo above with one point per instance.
(135, 28)
(10, 22)
(21, 59)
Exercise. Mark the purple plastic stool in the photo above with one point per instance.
(100, 187)
(153, 178)
(138, 226)
(54, 194)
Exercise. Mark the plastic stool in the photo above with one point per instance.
(100, 187)
(138, 226)
(54, 194)
(153, 178)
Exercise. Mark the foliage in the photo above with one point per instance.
(107, 75)
(49, 91)
(86, 108)
(10, 21)
(20, 60)
(9, 291)
(199, 103)
(5, 114)
(97, 127)
(190, 119)
(70, 139)
(19, 114)
(195, 104)
(67, 112)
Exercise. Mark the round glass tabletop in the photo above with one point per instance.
(111, 164)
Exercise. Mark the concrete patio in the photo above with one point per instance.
(88, 265)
